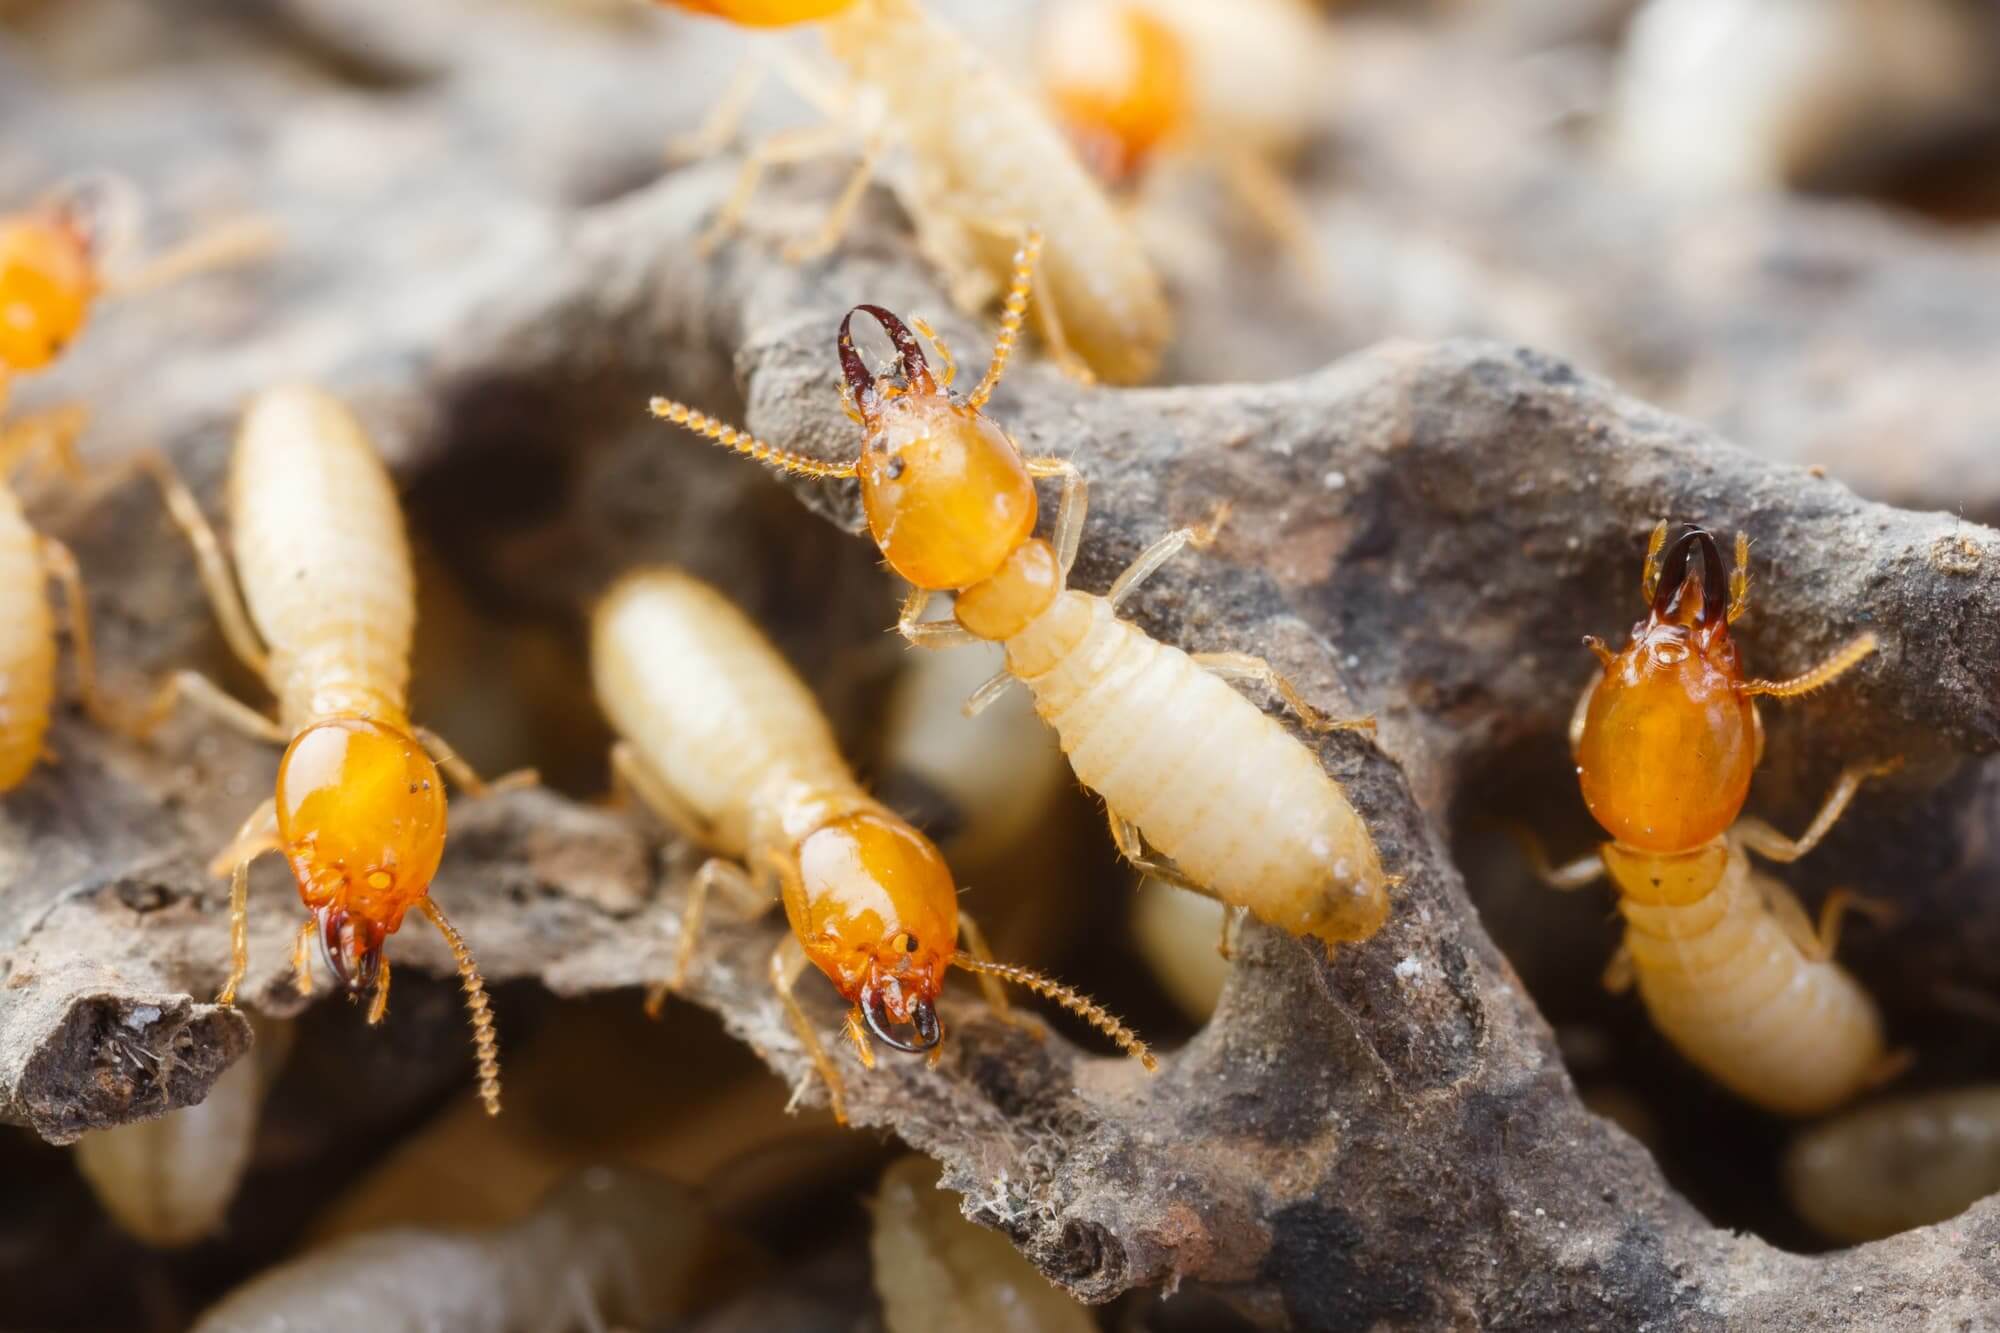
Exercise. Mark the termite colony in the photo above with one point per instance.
(1218, 785)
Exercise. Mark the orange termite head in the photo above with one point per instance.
(947, 495)
(48, 278)
(1118, 78)
(1670, 735)
(877, 911)
(361, 816)
(765, 13)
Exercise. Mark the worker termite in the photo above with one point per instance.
(726, 744)
(1232, 87)
(53, 269)
(325, 582)
(1893, 1165)
(989, 168)
(1728, 964)
(1240, 808)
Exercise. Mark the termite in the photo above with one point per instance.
(989, 167)
(726, 744)
(1893, 1165)
(1232, 87)
(1238, 806)
(322, 576)
(1728, 964)
(55, 258)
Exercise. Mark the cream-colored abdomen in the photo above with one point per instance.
(708, 702)
(27, 645)
(323, 559)
(1728, 987)
(1239, 803)
(985, 150)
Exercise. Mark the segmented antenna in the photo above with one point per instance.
(745, 443)
(1837, 665)
(477, 1007)
(1073, 1000)
(1011, 314)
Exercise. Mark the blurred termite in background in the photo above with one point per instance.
(989, 167)
(1897, 1164)
(1240, 808)
(58, 258)
(1235, 88)
(725, 743)
(359, 810)
(1729, 966)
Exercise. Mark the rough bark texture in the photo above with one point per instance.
(1421, 531)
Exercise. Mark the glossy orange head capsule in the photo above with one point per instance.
(1118, 78)
(1670, 736)
(947, 495)
(765, 13)
(876, 910)
(361, 817)
(48, 279)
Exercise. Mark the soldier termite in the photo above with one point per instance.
(325, 582)
(1728, 964)
(725, 743)
(1896, 1164)
(1240, 807)
(53, 269)
(989, 168)
(1231, 87)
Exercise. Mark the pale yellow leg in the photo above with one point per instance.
(1620, 973)
(1245, 666)
(378, 1007)
(988, 693)
(1148, 561)
(1131, 844)
(921, 633)
(1578, 874)
(461, 773)
(718, 128)
(735, 883)
(226, 244)
(631, 773)
(834, 225)
(786, 146)
(1070, 509)
(257, 835)
(1817, 943)
(1772, 845)
(1275, 204)
(61, 567)
(204, 694)
(788, 960)
(302, 976)
(211, 563)
(989, 985)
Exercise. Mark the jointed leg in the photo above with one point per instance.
(210, 563)
(788, 960)
(462, 773)
(923, 633)
(1245, 666)
(1578, 874)
(1772, 845)
(257, 836)
(724, 118)
(988, 693)
(786, 146)
(1649, 576)
(1020, 283)
(1131, 844)
(1620, 973)
(302, 976)
(630, 773)
(378, 1008)
(1166, 548)
(1275, 205)
(834, 224)
(1817, 943)
(226, 244)
(1070, 509)
(194, 688)
(989, 985)
(61, 566)
(714, 873)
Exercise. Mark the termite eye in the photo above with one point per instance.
(907, 942)
(896, 466)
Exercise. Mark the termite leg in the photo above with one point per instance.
(1048, 321)
(1889, 1068)
(61, 566)
(714, 872)
(1020, 284)
(1619, 973)
(1578, 874)
(1274, 204)
(988, 693)
(462, 773)
(194, 688)
(989, 985)
(1166, 548)
(788, 961)
(786, 146)
(1649, 576)
(50, 436)
(1131, 845)
(223, 245)
(724, 118)
(1842, 661)
(630, 773)
(1772, 845)
(302, 976)
(258, 835)
(834, 224)
(1817, 943)
(378, 1007)
(923, 633)
(216, 575)
(1739, 579)
(1245, 666)
(1070, 509)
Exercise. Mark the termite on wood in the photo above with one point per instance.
(1729, 965)
(1897, 1164)
(1239, 807)
(324, 616)
(989, 167)
(724, 742)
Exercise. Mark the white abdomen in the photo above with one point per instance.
(27, 645)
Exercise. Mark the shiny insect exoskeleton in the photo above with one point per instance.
(1240, 807)
(325, 582)
(727, 745)
(1728, 964)
(1893, 1165)
(1232, 87)
(989, 167)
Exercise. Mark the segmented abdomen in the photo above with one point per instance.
(1728, 987)
(322, 558)
(1238, 802)
(27, 645)
(708, 702)
(986, 150)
